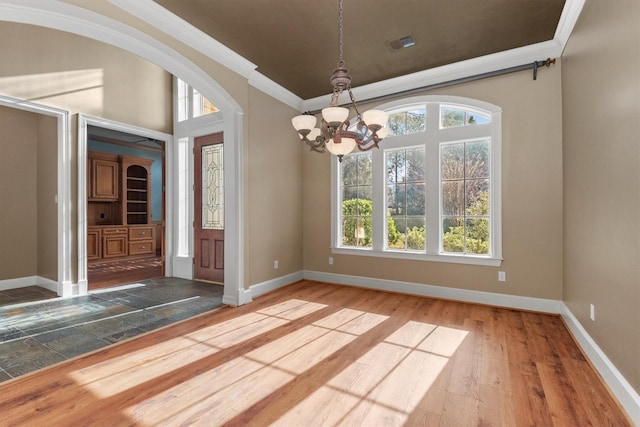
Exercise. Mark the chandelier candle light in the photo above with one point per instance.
(334, 134)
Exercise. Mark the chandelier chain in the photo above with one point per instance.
(335, 133)
(340, 46)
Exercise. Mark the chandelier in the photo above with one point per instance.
(334, 135)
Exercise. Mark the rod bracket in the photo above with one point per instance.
(537, 64)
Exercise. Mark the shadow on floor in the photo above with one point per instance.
(38, 329)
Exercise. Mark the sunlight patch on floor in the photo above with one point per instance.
(133, 369)
(385, 385)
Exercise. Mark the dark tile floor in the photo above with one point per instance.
(38, 329)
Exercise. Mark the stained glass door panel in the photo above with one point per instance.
(209, 208)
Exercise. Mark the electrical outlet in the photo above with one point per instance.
(592, 312)
(330, 260)
(502, 276)
(275, 264)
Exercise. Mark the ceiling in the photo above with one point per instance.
(295, 42)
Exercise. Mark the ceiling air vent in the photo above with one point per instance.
(402, 43)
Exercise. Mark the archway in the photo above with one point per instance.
(65, 17)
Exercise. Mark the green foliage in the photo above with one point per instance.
(357, 213)
(477, 230)
(416, 238)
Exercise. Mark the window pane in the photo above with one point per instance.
(396, 227)
(363, 232)
(477, 159)
(364, 169)
(349, 193)
(349, 167)
(357, 205)
(407, 122)
(415, 170)
(453, 198)
(397, 124)
(364, 193)
(452, 161)
(349, 230)
(453, 235)
(477, 236)
(406, 198)
(465, 201)
(396, 196)
(396, 166)
(415, 199)
(476, 196)
(201, 105)
(416, 120)
(416, 234)
(451, 117)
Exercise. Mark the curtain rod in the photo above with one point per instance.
(534, 66)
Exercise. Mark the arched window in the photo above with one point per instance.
(432, 190)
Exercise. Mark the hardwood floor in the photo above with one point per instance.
(118, 272)
(315, 354)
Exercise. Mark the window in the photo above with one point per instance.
(189, 97)
(356, 187)
(432, 190)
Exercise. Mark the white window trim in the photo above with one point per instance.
(432, 133)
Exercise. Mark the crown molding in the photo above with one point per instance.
(268, 86)
(162, 19)
(568, 18)
(159, 17)
(471, 67)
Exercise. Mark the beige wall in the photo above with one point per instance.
(601, 107)
(274, 204)
(28, 215)
(531, 199)
(81, 75)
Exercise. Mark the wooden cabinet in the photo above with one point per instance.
(142, 240)
(136, 189)
(119, 207)
(114, 242)
(94, 246)
(103, 174)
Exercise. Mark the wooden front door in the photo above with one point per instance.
(209, 208)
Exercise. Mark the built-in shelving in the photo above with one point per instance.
(137, 186)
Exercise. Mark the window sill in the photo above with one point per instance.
(448, 258)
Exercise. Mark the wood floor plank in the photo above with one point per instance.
(317, 354)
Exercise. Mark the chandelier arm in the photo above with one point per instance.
(317, 144)
(355, 104)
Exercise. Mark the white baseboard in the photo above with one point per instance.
(620, 387)
(465, 295)
(243, 297)
(273, 284)
(52, 285)
(23, 282)
(20, 282)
